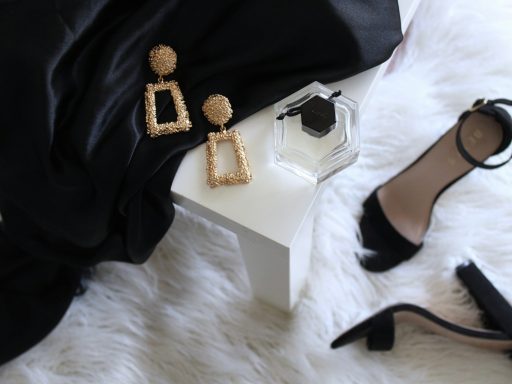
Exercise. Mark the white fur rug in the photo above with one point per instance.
(187, 315)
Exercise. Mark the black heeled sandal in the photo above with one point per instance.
(379, 329)
(396, 215)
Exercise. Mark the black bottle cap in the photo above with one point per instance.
(318, 116)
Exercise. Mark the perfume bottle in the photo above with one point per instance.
(316, 132)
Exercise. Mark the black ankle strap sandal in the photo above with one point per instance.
(379, 329)
(397, 214)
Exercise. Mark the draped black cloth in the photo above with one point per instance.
(80, 181)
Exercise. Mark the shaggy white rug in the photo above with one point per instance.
(187, 315)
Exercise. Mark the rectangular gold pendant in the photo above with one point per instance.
(182, 123)
(242, 174)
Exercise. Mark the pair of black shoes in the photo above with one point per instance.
(397, 215)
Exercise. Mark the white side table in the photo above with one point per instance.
(272, 215)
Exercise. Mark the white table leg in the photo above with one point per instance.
(277, 273)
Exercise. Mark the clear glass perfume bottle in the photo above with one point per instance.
(316, 132)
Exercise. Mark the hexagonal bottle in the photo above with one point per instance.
(316, 132)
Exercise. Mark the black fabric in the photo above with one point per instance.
(34, 294)
(80, 181)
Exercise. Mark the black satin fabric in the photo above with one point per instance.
(80, 181)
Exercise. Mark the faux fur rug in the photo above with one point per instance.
(187, 315)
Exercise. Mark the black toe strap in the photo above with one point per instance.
(382, 334)
(487, 107)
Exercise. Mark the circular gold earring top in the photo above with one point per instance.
(217, 110)
(162, 60)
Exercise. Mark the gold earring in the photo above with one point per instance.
(162, 60)
(217, 110)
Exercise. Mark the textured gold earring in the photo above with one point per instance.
(162, 60)
(217, 110)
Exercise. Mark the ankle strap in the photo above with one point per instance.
(487, 107)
